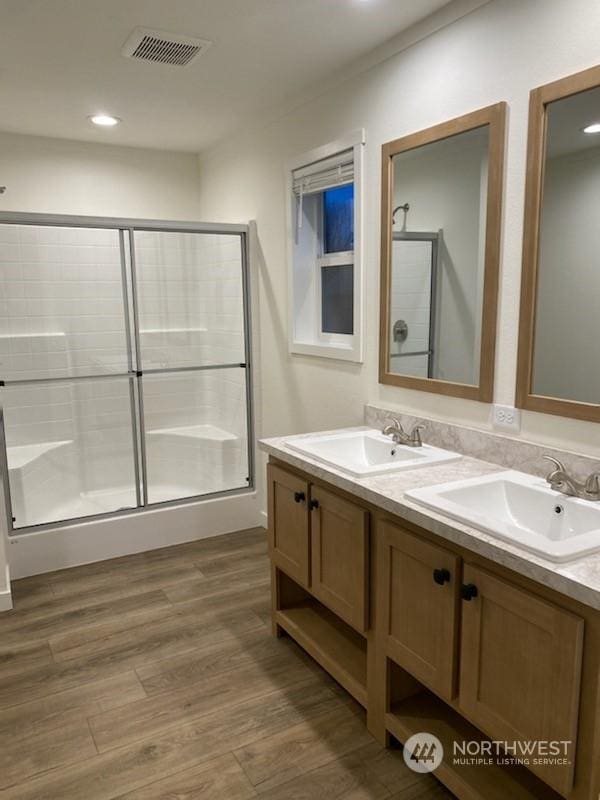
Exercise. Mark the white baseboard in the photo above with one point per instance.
(97, 540)
(5, 601)
(264, 517)
(5, 595)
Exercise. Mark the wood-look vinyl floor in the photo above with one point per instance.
(155, 677)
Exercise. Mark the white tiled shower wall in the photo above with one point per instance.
(62, 314)
(65, 282)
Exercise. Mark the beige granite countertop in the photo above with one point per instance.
(578, 579)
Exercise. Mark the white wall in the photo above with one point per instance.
(568, 316)
(499, 52)
(58, 176)
(5, 594)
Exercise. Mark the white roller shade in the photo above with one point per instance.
(326, 174)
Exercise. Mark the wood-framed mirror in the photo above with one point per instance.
(440, 244)
(559, 333)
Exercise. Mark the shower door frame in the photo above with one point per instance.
(129, 226)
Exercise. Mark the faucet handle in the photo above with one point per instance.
(560, 467)
(592, 484)
(393, 422)
(415, 432)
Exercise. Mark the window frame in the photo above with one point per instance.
(346, 347)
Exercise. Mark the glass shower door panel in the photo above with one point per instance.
(196, 439)
(61, 302)
(190, 299)
(70, 449)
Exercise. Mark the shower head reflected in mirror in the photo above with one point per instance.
(404, 208)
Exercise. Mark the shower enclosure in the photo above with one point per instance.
(124, 365)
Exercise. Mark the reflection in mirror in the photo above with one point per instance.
(437, 271)
(567, 320)
(442, 191)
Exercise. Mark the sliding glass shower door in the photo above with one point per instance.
(192, 352)
(124, 363)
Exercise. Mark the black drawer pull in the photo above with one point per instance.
(441, 576)
(314, 504)
(299, 497)
(468, 591)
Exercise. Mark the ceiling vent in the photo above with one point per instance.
(161, 47)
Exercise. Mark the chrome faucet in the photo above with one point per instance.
(396, 431)
(560, 480)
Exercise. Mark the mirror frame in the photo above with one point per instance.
(539, 99)
(493, 116)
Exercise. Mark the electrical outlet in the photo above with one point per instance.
(507, 418)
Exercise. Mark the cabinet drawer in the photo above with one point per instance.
(340, 556)
(419, 586)
(289, 542)
(520, 668)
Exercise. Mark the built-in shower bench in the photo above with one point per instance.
(21, 456)
(207, 432)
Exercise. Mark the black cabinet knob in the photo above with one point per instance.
(313, 504)
(468, 591)
(441, 576)
(299, 497)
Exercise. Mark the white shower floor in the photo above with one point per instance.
(82, 506)
(110, 500)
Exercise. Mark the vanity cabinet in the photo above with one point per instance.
(429, 636)
(520, 656)
(419, 589)
(340, 556)
(289, 536)
(321, 541)
(520, 667)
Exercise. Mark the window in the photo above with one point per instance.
(337, 279)
(337, 296)
(338, 219)
(326, 276)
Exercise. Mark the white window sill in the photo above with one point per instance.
(342, 352)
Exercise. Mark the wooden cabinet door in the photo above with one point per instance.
(340, 556)
(520, 667)
(419, 590)
(289, 543)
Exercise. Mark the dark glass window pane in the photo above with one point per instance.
(337, 293)
(338, 213)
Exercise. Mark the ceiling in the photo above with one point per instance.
(60, 61)
(566, 120)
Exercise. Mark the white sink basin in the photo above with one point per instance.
(364, 453)
(521, 509)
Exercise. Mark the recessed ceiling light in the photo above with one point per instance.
(593, 128)
(104, 120)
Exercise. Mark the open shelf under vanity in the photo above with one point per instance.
(424, 711)
(334, 645)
